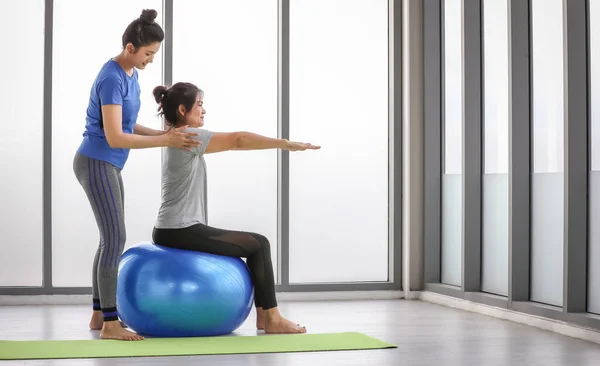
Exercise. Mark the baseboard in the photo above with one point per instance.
(339, 295)
(20, 300)
(552, 325)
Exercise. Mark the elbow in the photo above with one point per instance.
(240, 140)
(114, 142)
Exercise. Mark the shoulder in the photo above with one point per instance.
(110, 74)
(203, 134)
(198, 130)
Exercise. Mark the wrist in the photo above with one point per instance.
(283, 143)
(163, 140)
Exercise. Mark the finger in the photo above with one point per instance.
(193, 142)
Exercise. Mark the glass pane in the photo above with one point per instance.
(339, 100)
(547, 139)
(228, 48)
(594, 239)
(452, 174)
(22, 104)
(495, 180)
(74, 230)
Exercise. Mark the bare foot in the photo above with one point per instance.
(97, 321)
(260, 319)
(114, 330)
(274, 323)
(283, 326)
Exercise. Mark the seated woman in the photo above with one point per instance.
(181, 221)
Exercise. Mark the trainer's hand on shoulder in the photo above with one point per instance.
(300, 146)
(183, 140)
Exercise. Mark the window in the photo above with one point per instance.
(594, 182)
(495, 178)
(339, 100)
(547, 152)
(74, 230)
(452, 144)
(228, 48)
(21, 144)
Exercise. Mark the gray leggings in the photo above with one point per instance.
(103, 186)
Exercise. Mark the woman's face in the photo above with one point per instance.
(195, 117)
(143, 56)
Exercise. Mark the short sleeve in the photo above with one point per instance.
(204, 137)
(110, 90)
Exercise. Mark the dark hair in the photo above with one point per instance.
(169, 100)
(143, 31)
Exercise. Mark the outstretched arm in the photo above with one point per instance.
(222, 141)
(146, 131)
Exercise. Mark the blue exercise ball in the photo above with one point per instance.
(166, 292)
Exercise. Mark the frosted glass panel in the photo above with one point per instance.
(339, 100)
(452, 87)
(74, 230)
(451, 229)
(547, 238)
(494, 255)
(594, 197)
(495, 180)
(21, 103)
(452, 171)
(228, 48)
(594, 245)
(548, 91)
(548, 149)
(594, 49)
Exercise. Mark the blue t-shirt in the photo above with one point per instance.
(112, 86)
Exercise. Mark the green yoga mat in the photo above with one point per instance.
(29, 350)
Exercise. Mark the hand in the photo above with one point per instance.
(177, 138)
(299, 146)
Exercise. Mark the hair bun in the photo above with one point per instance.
(148, 15)
(159, 93)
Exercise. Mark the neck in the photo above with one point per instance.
(121, 59)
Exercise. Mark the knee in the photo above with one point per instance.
(122, 241)
(264, 242)
(119, 241)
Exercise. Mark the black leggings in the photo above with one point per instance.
(254, 247)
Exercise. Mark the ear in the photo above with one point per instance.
(130, 48)
(181, 110)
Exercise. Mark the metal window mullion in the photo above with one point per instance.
(576, 155)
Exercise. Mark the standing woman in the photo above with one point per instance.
(111, 130)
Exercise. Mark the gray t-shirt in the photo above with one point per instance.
(183, 197)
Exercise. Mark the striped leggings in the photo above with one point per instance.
(103, 186)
